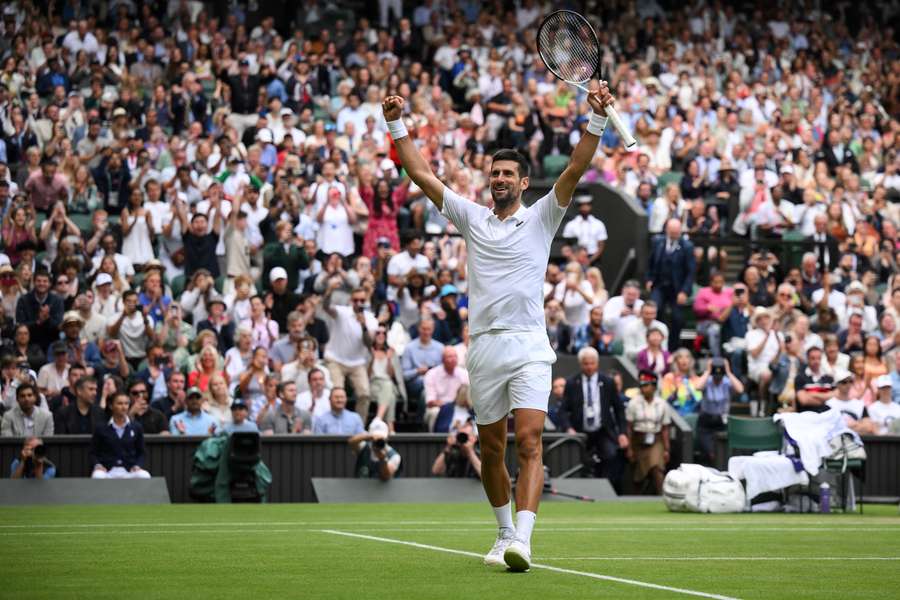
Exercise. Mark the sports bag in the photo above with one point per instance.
(695, 488)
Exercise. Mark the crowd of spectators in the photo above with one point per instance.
(200, 204)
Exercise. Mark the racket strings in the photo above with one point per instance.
(569, 47)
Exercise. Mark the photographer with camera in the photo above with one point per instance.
(32, 462)
(718, 384)
(459, 458)
(374, 457)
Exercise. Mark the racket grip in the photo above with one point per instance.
(616, 120)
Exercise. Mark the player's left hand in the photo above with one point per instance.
(599, 97)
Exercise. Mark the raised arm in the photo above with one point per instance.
(598, 98)
(416, 167)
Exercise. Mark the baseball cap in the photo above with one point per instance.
(883, 381)
(244, 62)
(72, 317)
(647, 378)
(60, 348)
(842, 375)
(194, 391)
(379, 429)
(384, 242)
(239, 403)
(277, 273)
(103, 279)
(264, 135)
(286, 112)
(585, 199)
(449, 289)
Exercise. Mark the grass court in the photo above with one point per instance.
(615, 550)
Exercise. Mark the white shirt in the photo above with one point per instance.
(854, 408)
(882, 414)
(316, 408)
(612, 315)
(836, 299)
(335, 232)
(589, 232)
(506, 261)
(345, 345)
(769, 351)
(635, 338)
(401, 264)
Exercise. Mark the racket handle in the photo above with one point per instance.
(616, 120)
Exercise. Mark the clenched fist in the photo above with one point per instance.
(392, 107)
(599, 97)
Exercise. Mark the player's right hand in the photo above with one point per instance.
(392, 107)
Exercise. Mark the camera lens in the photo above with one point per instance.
(39, 451)
(462, 438)
(379, 444)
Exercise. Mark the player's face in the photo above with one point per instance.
(506, 185)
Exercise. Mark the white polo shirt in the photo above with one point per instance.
(345, 345)
(589, 232)
(506, 261)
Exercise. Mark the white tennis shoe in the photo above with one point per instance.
(517, 556)
(494, 558)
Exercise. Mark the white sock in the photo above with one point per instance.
(504, 516)
(524, 525)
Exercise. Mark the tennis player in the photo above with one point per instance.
(509, 358)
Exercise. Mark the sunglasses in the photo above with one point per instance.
(137, 393)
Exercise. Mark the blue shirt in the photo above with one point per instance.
(716, 398)
(193, 425)
(49, 470)
(417, 355)
(895, 387)
(247, 426)
(346, 422)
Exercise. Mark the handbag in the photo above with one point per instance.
(844, 448)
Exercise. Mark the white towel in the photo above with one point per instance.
(765, 472)
(812, 431)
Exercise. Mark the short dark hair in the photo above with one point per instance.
(84, 381)
(515, 156)
(27, 386)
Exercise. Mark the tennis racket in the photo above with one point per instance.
(568, 46)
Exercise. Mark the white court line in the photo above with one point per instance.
(149, 531)
(726, 558)
(633, 582)
(543, 528)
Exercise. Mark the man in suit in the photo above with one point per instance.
(83, 416)
(41, 310)
(825, 245)
(592, 406)
(244, 98)
(835, 153)
(670, 276)
(117, 447)
(25, 419)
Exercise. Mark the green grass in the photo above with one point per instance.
(282, 551)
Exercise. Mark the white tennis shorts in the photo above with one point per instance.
(509, 370)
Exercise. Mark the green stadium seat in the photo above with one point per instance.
(617, 348)
(220, 283)
(667, 178)
(554, 164)
(753, 434)
(177, 287)
(82, 221)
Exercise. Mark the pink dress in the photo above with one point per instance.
(385, 224)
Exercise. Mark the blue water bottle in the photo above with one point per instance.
(824, 498)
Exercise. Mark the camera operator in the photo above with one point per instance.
(374, 457)
(32, 462)
(718, 384)
(459, 458)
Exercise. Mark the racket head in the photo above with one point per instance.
(568, 45)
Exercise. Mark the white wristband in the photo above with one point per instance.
(596, 124)
(397, 129)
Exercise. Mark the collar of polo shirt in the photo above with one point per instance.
(518, 216)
